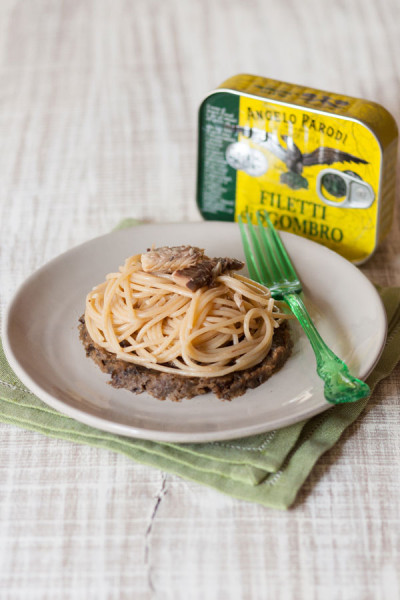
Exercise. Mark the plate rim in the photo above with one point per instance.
(125, 430)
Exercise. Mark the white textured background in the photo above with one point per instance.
(98, 121)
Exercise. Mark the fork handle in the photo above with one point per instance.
(340, 385)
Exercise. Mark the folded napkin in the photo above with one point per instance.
(268, 468)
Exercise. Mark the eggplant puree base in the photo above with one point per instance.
(138, 379)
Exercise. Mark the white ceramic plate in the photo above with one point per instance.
(42, 345)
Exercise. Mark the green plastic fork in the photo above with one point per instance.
(269, 264)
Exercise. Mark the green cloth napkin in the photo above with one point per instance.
(268, 468)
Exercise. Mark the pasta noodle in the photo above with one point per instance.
(148, 319)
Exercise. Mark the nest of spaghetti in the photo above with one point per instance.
(176, 324)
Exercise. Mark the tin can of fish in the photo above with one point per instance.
(322, 164)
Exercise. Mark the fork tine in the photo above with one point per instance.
(273, 258)
(251, 263)
(288, 268)
(263, 267)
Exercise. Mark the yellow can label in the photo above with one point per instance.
(323, 165)
(317, 175)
